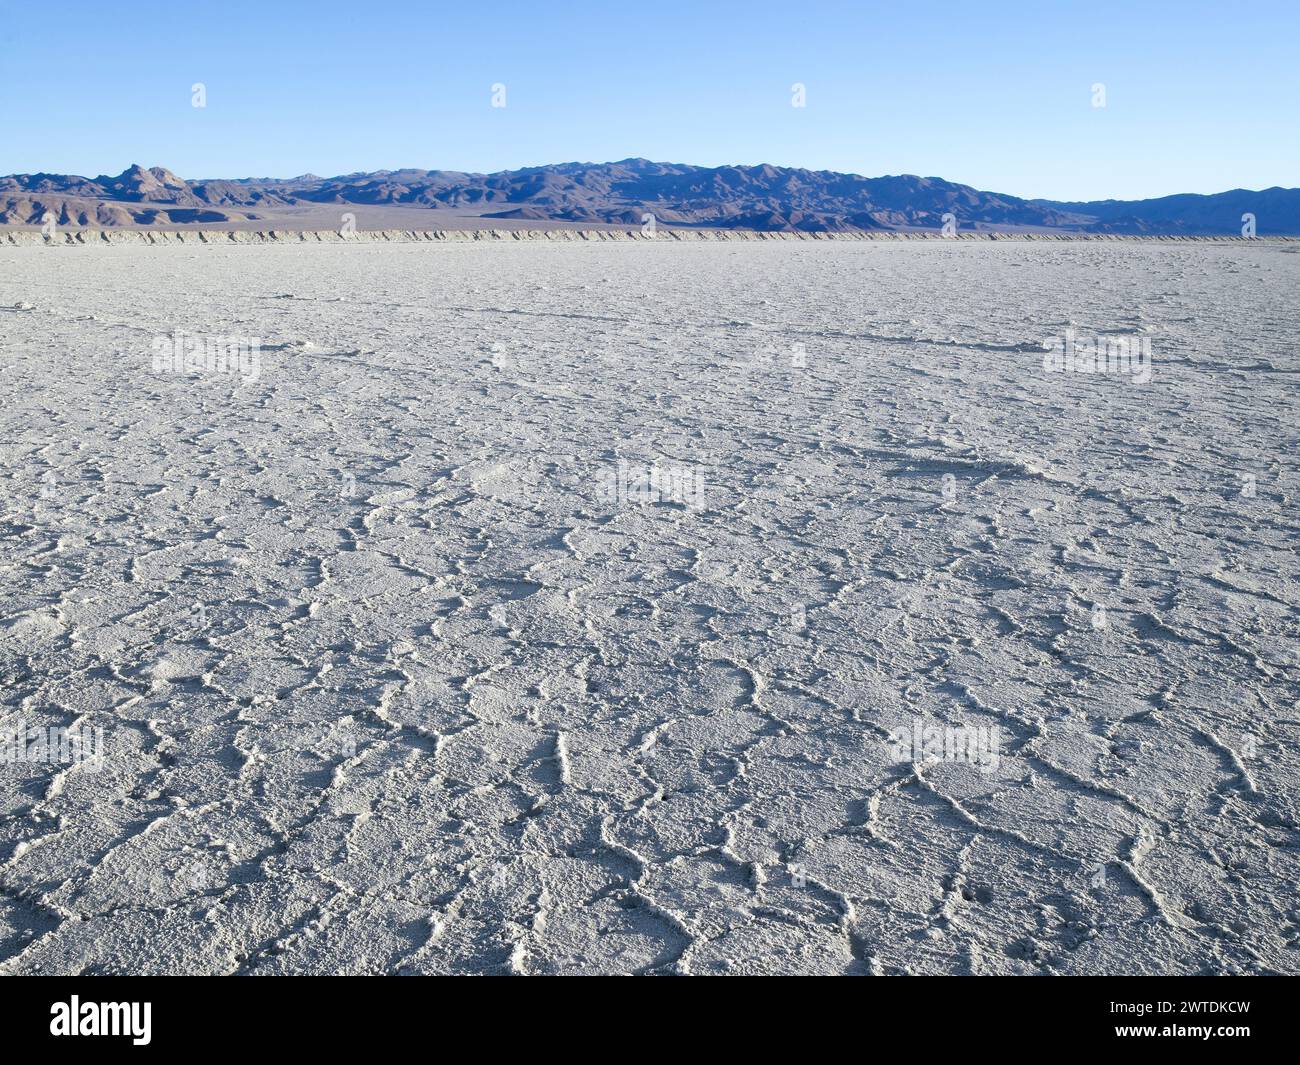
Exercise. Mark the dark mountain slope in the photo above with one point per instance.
(749, 197)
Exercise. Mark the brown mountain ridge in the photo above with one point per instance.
(763, 197)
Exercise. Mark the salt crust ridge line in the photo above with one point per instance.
(86, 237)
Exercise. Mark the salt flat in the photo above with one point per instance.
(570, 608)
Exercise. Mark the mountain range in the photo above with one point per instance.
(763, 197)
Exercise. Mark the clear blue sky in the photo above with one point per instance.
(1201, 97)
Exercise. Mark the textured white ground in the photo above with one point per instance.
(388, 687)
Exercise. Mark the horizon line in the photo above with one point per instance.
(312, 175)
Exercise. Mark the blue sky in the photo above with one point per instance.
(1200, 97)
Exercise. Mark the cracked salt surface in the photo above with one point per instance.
(390, 681)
